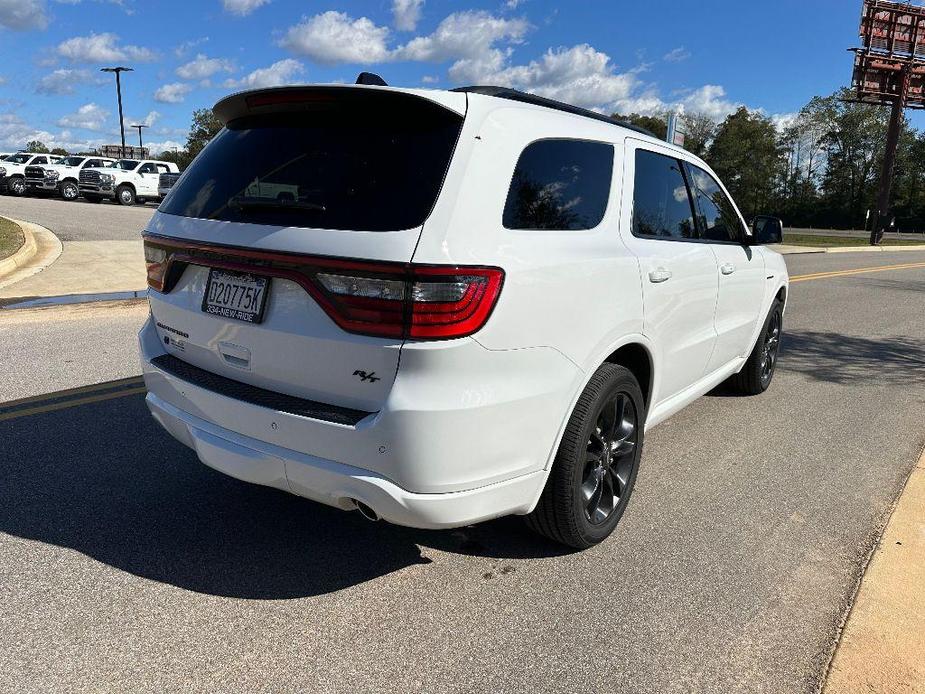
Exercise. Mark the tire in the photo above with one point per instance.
(90, 197)
(590, 482)
(69, 190)
(125, 195)
(756, 375)
(16, 186)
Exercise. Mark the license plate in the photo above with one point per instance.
(235, 295)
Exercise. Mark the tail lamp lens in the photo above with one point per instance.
(425, 302)
(156, 262)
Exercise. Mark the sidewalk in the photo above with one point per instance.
(79, 267)
(882, 645)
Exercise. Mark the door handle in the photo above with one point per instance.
(727, 268)
(659, 275)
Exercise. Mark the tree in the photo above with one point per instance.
(699, 129)
(59, 150)
(656, 124)
(204, 127)
(36, 147)
(746, 156)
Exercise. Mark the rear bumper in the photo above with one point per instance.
(466, 434)
(341, 485)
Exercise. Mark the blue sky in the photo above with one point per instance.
(626, 55)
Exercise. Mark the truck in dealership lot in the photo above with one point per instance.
(13, 170)
(62, 178)
(125, 181)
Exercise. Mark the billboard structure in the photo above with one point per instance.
(889, 70)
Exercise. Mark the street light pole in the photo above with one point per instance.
(119, 71)
(141, 145)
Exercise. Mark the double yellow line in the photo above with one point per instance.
(856, 271)
(63, 399)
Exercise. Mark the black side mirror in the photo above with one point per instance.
(766, 230)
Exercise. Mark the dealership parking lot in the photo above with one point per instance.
(126, 564)
(79, 220)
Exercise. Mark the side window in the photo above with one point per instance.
(163, 168)
(40, 160)
(147, 168)
(560, 185)
(661, 203)
(92, 163)
(718, 218)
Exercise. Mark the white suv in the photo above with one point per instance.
(125, 181)
(474, 306)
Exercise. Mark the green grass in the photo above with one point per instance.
(11, 238)
(830, 241)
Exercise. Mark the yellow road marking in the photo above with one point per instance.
(109, 385)
(856, 271)
(71, 403)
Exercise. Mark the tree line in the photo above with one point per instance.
(822, 169)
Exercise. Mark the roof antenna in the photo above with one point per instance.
(371, 78)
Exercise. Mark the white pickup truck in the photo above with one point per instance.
(13, 170)
(125, 180)
(62, 178)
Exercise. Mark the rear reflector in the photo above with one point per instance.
(396, 300)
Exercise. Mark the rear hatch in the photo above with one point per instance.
(281, 258)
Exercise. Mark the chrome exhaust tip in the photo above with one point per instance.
(366, 511)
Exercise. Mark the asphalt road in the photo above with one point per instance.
(80, 220)
(127, 565)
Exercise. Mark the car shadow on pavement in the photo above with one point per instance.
(850, 359)
(105, 480)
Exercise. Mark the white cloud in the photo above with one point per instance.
(709, 99)
(102, 48)
(65, 81)
(242, 8)
(88, 117)
(202, 67)
(513, 4)
(334, 37)
(677, 55)
(184, 48)
(279, 73)
(164, 146)
(782, 121)
(406, 14)
(580, 75)
(15, 133)
(22, 15)
(172, 93)
(2, 80)
(469, 35)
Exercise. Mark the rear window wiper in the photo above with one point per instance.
(245, 203)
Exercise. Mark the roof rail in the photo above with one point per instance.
(523, 97)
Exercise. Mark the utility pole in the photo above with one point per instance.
(889, 158)
(119, 70)
(141, 145)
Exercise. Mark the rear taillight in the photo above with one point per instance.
(156, 263)
(396, 300)
(420, 302)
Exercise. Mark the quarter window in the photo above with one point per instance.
(718, 218)
(661, 203)
(560, 185)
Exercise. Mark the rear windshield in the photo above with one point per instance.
(362, 169)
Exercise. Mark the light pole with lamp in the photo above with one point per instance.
(119, 70)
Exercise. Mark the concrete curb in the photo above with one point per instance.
(21, 257)
(881, 647)
(47, 249)
(795, 250)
